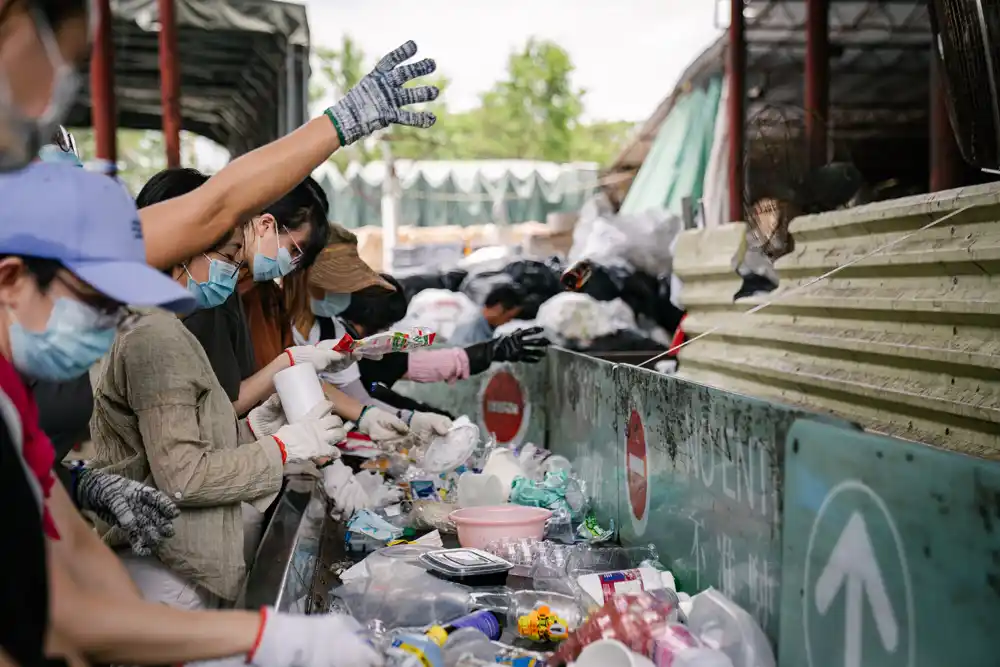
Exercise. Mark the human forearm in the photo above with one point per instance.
(121, 631)
(344, 406)
(91, 564)
(447, 364)
(259, 386)
(184, 226)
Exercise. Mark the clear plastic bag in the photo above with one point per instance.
(723, 625)
(400, 595)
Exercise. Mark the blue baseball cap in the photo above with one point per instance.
(88, 223)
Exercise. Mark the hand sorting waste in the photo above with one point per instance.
(316, 436)
(381, 425)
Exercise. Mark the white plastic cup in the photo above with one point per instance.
(478, 490)
(503, 464)
(611, 653)
(300, 391)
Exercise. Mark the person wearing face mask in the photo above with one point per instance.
(273, 241)
(220, 323)
(177, 429)
(70, 256)
(64, 409)
(318, 310)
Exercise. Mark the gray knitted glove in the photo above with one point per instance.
(143, 512)
(377, 99)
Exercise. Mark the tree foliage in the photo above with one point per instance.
(533, 113)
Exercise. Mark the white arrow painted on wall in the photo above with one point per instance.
(853, 565)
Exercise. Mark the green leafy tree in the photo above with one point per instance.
(533, 113)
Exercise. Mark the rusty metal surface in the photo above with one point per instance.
(891, 553)
(521, 420)
(583, 428)
(708, 493)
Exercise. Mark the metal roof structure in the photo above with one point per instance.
(879, 70)
(244, 67)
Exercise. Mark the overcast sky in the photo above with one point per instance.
(628, 53)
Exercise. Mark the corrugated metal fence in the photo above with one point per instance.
(905, 342)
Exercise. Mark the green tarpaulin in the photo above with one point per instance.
(459, 192)
(676, 163)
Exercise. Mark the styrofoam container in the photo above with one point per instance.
(478, 526)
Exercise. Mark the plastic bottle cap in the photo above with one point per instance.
(437, 634)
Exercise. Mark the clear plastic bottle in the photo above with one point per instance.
(467, 644)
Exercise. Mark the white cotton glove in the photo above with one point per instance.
(267, 418)
(314, 437)
(322, 640)
(380, 425)
(426, 425)
(380, 493)
(344, 490)
(322, 356)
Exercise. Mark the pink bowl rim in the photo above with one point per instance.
(541, 514)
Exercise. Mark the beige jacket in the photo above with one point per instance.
(161, 417)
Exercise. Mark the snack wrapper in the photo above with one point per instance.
(374, 347)
(635, 619)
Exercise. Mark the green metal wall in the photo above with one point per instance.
(848, 548)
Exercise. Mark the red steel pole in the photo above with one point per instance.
(946, 161)
(170, 82)
(817, 94)
(737, 108)
(102, 85)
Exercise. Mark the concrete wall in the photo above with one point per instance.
(905, 342)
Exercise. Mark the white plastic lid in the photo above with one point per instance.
(448, 452)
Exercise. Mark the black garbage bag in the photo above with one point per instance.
(452, 279)
(414, 283)
(477, 286)
(626, 340)
(606, 282)
(538, 281)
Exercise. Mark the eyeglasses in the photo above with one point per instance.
(298, 249)
(65, 141)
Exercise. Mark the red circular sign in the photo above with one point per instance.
(503, 406)
(635, 464)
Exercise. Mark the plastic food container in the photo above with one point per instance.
(467, 566)
(478, 526)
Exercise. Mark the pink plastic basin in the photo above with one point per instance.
(478, 526)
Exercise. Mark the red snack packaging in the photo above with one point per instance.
(634, 619)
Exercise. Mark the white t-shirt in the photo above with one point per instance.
(341, 378)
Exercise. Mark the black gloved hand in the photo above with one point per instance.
(524, 345)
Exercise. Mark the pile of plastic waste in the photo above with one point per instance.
(536, 579)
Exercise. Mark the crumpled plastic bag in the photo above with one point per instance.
(582, 318)
(723, 625)
(558, 492)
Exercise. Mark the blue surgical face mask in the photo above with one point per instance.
(269, 268)
(220, 285)
(331, 305)
(70, 344)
